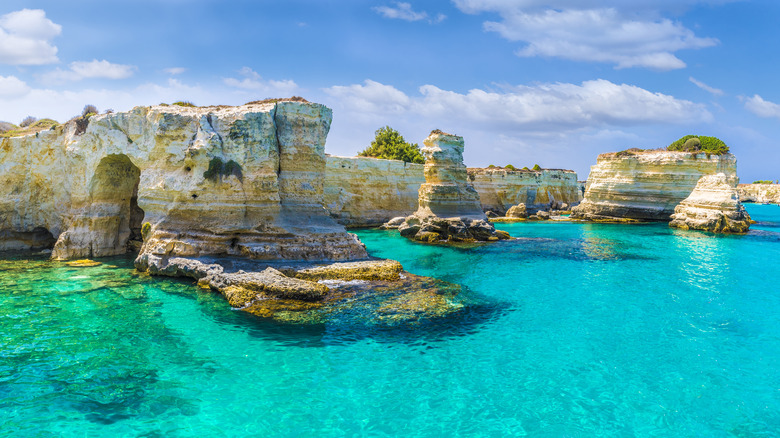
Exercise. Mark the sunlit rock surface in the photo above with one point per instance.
(500, 189)
(449, 207)
(649, 185)
(245, 181)
(713, 206)
(760, 193)
(361, 191)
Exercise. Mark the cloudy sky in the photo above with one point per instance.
(523, 81)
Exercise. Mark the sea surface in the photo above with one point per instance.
(580, 330)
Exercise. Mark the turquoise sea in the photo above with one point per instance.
(580, 330)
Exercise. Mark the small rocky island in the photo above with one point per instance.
(449, 207)
(689, 189)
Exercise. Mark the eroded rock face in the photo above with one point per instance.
(712, 206)
(449, 207)
(761, 193)
(647, 186)
(499, 189)
(244, 181)
(361, 191)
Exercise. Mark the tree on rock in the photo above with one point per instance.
(390, 145)
(699, 143)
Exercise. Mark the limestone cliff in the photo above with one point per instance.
(761, 193)
(648, 185)
(712, 206)
(499, 189)
(244, 181)
(449, 207)
(362, 191)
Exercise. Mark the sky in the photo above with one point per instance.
(525, 82)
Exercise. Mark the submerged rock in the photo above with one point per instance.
(378, 290)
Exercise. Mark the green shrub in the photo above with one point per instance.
(277, 99)
(217, 169)
(491, 166)
(510, 167)
(536, 167)
(184, 103)
(763, 181)
(391, 145)
(699, 143)
(146, 228)
(526, 168)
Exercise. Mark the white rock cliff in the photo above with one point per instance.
(244, 181)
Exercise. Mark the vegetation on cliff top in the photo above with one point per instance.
(536, 168)
(764, 181)
(35, 127)
(391, 145)
(699, 143)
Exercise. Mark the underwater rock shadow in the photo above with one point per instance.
(359, 326)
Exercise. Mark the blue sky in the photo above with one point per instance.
(524, 82)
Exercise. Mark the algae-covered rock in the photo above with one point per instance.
(363, 270)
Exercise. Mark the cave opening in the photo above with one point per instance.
(114, 193)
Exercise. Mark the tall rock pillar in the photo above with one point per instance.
(449, 207)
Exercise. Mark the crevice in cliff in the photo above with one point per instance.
(278, 143)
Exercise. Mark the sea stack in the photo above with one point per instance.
(712, 206)
(449, 207)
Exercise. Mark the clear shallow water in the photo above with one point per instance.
(584, 330)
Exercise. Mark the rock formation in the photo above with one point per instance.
(311, 294)
(712, 206)
(760, 193)
(244, 181)
(361, 191)
(649, 185)
(449, 207)
(500, 188)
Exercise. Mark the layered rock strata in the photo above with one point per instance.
(648, 186)
(760, 193)
(361, 191)
(244, 181)
(499, 189)
(712, 206)
(449, 207)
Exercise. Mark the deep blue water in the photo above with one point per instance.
(583, 330)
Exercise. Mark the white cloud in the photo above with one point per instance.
(627, 35)
(371, 98)
(705, 87)
(11, 87)
(25, 38)
(760, 107)
(175, 70)
(252, 81)
(404, 11)
(94, 69)
(545, 107)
